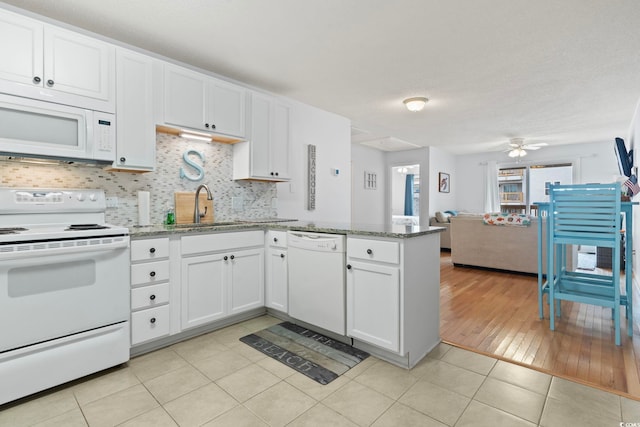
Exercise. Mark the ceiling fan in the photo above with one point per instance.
(518, 147)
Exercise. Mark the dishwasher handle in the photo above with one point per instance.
(322, 242)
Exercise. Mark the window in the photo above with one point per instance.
(521, 187)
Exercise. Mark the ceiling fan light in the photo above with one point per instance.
(517, 152)
(416, 103)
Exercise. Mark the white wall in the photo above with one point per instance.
(367, 206)
(442, 161)
(331, 134)
(594, 162)
(633, 142)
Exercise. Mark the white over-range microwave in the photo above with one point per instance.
(32, 128)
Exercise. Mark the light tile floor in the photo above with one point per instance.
(215, 380)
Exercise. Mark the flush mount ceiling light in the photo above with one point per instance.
(416, 103)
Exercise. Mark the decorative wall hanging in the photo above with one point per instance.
(444, 182)
(370, 180)
(193, 164)
(311, 170)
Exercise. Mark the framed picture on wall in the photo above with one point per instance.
(444, 182)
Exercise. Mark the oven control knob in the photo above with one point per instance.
(93, 197)
(81, 197)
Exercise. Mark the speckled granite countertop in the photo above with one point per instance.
(393, 231)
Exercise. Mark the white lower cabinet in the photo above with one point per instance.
(150, 293)
(204, 289)
(373, 304)
(189, 281)
(393, 296)
(226, 281)
(147, 325)
(247, 280)
(277, 271)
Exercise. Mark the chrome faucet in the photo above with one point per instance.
(196, 212)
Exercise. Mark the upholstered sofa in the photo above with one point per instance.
(502, 247)
(445, 236)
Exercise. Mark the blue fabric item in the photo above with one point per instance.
(453, 213)
(408, 195)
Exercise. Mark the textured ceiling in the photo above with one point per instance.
(549, 71)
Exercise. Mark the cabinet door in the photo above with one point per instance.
(373, 304)
(226, 108)
(136, 135)
(247, 279)
(277, 292)
(185, 98)
(21, 49)
(204, 297)
(77, 64)
(280, 140)
(260, 138)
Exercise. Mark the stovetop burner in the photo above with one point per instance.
(11, 230)
(74, 227)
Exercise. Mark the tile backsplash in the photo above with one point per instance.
(162, 183)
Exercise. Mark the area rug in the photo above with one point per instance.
(317, 356)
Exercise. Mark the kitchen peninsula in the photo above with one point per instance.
(211, 276)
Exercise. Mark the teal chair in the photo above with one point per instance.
(590, 215)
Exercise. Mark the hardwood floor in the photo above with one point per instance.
(496, 313)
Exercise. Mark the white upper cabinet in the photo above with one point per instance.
(227, 108)
(279, 149)
(21, 59)
(136, 132)
(265, 154)
(42, 61)
(197, 101)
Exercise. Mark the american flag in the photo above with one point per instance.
(632, 185)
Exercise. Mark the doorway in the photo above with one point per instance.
(405, 194)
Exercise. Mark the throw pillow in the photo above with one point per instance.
(498, 218)
(442, 217)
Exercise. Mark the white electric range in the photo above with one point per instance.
(64, 289)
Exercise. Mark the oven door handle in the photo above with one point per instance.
(51, 250)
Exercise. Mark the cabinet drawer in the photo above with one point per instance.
(216, 242)
(149, 272)
(277, 239)
(148, 249)
(149, 324)
(374, 250)
(149, 296)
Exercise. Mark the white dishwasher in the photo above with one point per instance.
(317, 279)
